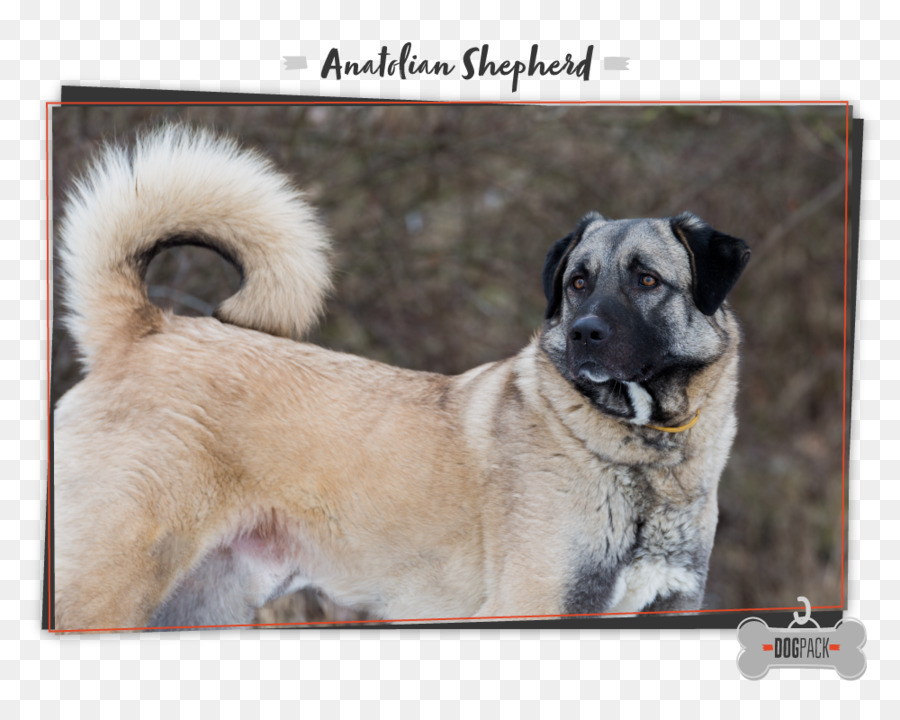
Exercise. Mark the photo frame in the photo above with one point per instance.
(441, 216)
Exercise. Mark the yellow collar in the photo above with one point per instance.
(680, 428)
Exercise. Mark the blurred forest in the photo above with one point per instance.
(441, 216)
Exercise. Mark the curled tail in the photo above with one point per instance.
(178, 186)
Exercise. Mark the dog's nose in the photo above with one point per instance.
(590, 330)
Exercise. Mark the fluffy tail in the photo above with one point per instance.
(178, 186)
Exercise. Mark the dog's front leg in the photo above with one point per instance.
(524, 593)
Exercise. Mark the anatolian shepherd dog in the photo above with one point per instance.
(207, 465)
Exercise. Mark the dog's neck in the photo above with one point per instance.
(617, 440)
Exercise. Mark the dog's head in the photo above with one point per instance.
(634, 309)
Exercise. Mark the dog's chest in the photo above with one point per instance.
(631, 549)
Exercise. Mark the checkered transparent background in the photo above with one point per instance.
(679, 52)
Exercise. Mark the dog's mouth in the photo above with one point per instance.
(625, 400)
(591, 371)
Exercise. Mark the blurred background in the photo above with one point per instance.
(441, 216)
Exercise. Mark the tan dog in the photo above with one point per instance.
(205, 466)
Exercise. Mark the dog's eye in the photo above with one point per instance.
(648, 281)
(578, 282)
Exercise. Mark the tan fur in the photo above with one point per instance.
(203, 468)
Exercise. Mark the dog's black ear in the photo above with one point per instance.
(717, 260)
(555, 264)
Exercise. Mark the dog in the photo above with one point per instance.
(205, 466)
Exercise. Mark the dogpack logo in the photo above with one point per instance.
(839, 647)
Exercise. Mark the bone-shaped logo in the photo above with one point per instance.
(839, 647)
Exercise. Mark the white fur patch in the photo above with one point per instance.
(641, 402)
(649, 577)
